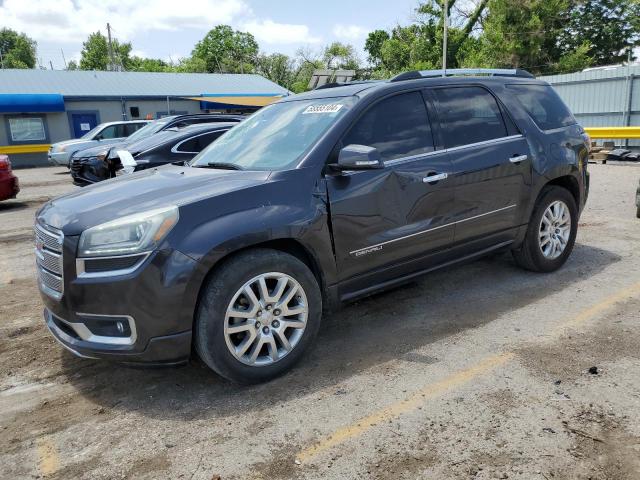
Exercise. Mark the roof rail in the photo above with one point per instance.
(498, 72)
(343, 84)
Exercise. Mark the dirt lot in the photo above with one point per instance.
(479, 371)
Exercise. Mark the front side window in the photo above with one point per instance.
(27, 129)
(109, 132)
(276, 137)
(543, 105)
(468, 115)
(397, 126)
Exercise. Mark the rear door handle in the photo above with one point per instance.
(435, 178)
(518, 158)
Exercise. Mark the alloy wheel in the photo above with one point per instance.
(555, 230)
(266, 319)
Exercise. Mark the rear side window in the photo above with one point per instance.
(197, 144)
(397, 126)
(543, 105)
(468, 115)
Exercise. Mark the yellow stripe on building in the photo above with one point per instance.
(11, 149)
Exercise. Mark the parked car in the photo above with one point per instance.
(9, 184)
(103, 134)
(318, 199)
(100, 152)
(167, 146)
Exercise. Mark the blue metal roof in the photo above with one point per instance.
(83, 83)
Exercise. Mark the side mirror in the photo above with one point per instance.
(358, 157)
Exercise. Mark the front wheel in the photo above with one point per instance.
(551, 233)
(258, 313)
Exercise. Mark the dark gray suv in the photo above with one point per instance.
(316, 200)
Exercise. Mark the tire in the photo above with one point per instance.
(532, 255)
(262, 325)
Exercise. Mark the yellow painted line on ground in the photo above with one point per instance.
(449, 383)
(603, 305)
(11, 149)
(48, 459)
(404, 406)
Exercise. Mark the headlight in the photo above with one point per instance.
(59, 148)
(133, 234)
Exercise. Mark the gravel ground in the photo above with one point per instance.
(479, 371)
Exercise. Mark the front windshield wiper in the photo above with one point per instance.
(222, 166)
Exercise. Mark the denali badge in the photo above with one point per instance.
(366, 251)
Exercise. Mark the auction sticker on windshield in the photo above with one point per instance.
(326, 108)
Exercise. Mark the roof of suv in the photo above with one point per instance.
(366, 88)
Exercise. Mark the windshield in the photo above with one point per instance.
(91, 133)
(275, 137)
(148, 129)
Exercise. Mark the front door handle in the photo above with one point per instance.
(518, 158)
(435, 177)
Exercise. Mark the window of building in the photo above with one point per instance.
(468, 115)
(27, 129)
(397, 126)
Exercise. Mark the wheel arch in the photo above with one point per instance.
(568, 182)
(286, 245)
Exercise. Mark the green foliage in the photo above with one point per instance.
(609, 29)
(17, 50)
(95, 53)
(226, 50)
(373, 46)
(340, 55)
(277, 67)
(73, 65)
(138, 64)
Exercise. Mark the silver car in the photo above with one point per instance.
(105, 133)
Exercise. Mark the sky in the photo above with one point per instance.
(168, 29)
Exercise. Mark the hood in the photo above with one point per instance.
(94, 151)
(142, 191)
(71, 142)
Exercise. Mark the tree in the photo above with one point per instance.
(373, 46)
(138, 64)
(340, 56)
(17, 50)
(277, 67)
(226, 50)
(72, 65)
(609, 28)
(95, 53)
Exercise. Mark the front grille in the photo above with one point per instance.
(49, 260)
(76, 165)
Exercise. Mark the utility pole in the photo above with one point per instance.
(445, 17)
(111, 65)
(1, 60)
(51, 64)
(64, 59)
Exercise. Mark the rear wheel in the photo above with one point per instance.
(258, 314)
(551, 232)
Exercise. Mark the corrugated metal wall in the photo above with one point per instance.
(608, 97)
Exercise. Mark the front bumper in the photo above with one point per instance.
(154, 295)
(167, 350)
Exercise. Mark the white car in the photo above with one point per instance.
(105, 133)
